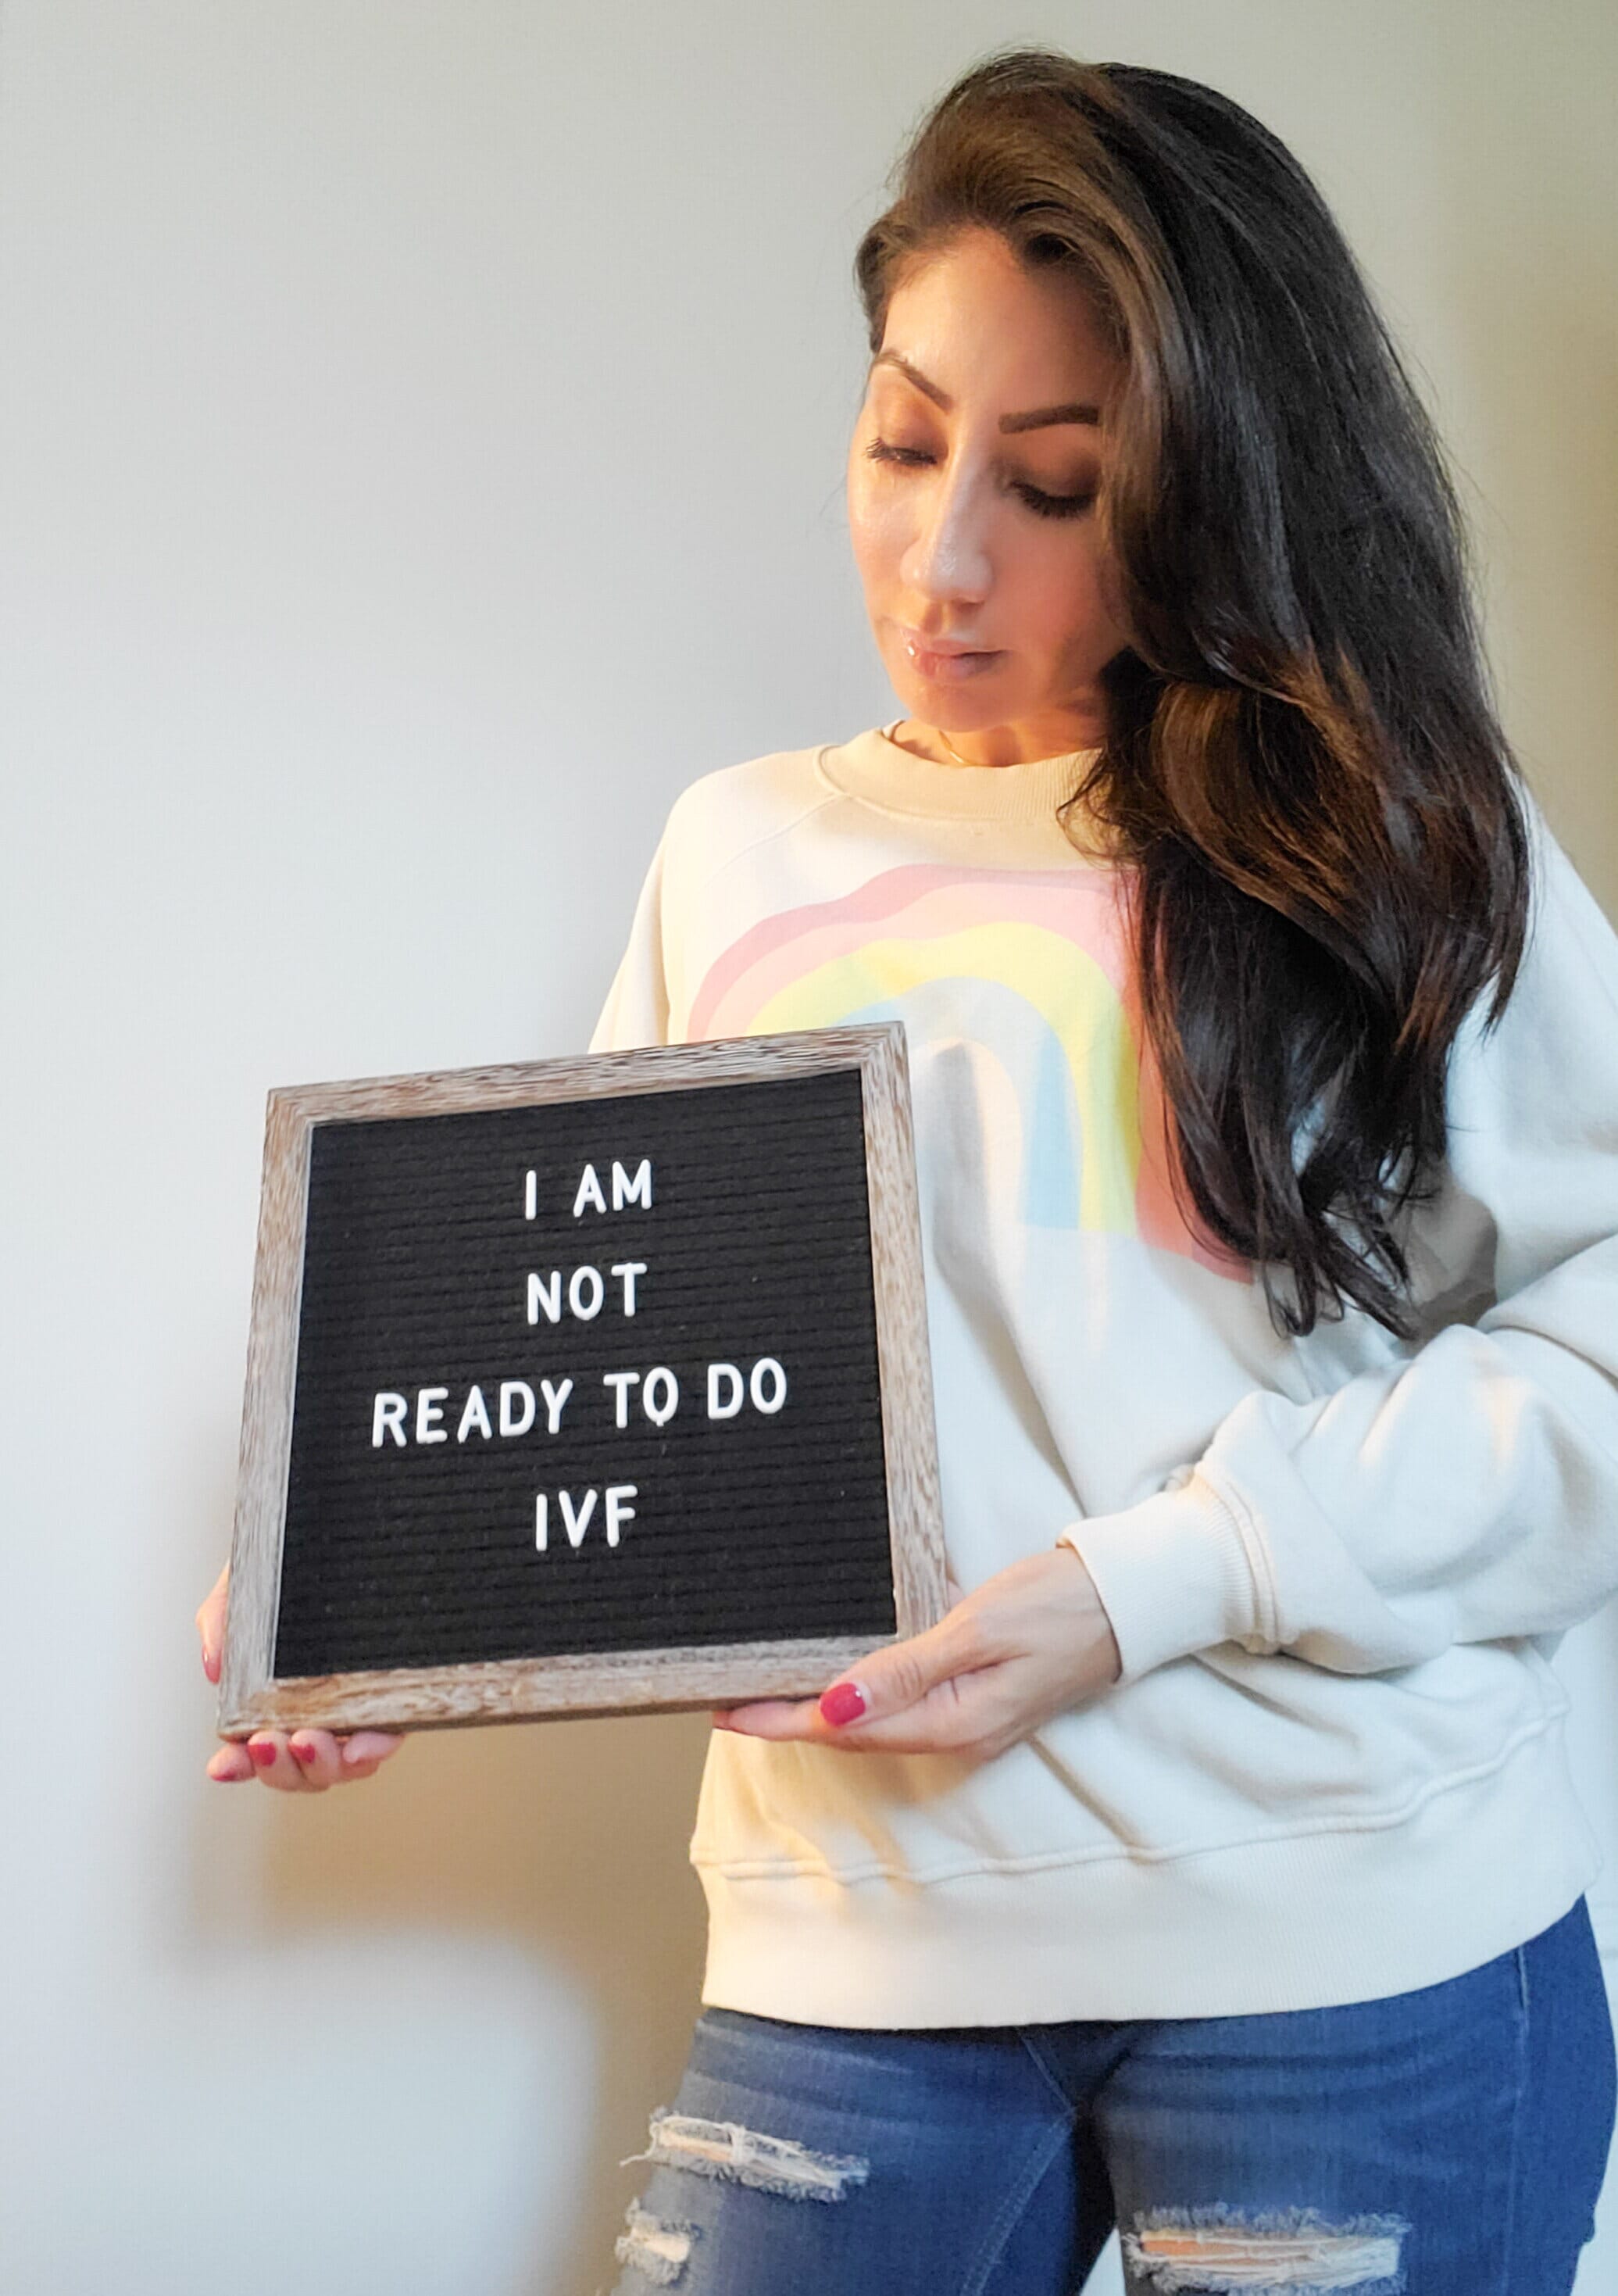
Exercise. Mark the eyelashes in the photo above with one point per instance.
(1042, 504)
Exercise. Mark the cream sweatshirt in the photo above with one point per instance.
(1337, 1567)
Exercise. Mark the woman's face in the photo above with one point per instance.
(971, 522)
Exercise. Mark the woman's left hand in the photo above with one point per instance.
(1029, 1642)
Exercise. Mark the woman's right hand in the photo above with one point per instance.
(298, 1761)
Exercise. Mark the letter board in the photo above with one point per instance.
(584, 1386)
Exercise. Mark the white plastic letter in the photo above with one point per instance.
(623, 1380)
(716, 1372)
(429, 1414)
(388, 1418)
(587, 1277)
(555, 1396)
(574, 1524)
(629, 1270)
(476, 1414)
(530, 1197)
(548, 1296)
(616, 1512)
(510, 1423)
(589, 1192)
(778, 1381)
(625, 1191)
(661, 1412)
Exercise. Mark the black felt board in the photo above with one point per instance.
(757, 1243)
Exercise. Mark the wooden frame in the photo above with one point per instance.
(666, 1681)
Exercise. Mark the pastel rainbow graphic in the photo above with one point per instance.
(1030, 968)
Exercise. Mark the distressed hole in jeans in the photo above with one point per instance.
(657, 2246)
(746, 2156)
(1219, 2247)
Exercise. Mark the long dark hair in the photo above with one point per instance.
(1304, 766)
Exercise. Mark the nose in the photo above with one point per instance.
(947, 559)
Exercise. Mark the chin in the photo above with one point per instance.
(959, 710)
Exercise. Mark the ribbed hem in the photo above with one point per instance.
(1305, 1922)
(876, 770)
(1174, 1575)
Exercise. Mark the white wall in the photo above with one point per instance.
(421, 445)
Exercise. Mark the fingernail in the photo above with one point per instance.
(262, 1753)
(843, 1702)
(304, 1753)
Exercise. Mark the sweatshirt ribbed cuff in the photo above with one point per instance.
(1173, 1574)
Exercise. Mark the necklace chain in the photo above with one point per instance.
(955, 753)
(959, 761)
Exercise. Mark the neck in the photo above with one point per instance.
(1000, 746)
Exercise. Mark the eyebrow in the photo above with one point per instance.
(1036, 418)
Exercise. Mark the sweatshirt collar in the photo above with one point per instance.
(874, 767)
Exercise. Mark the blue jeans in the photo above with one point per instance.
(1448, 2141)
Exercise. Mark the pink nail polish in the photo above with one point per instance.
(303, 1753)
(262, 1753)
(843, 1702)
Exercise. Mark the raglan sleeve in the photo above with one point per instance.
(637, 1010)
(1468, 1490)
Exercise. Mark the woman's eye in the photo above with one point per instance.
(880, 451)
(1054, 505)
(1045, 506)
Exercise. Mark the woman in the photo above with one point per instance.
(1213, 1869)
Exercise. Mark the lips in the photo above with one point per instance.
(946, 660)
(941, 646)
(914, 642)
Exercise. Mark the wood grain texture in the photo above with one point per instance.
(652, 1681)
(909, 1431)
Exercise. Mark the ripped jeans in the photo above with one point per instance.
(1446, 2142)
